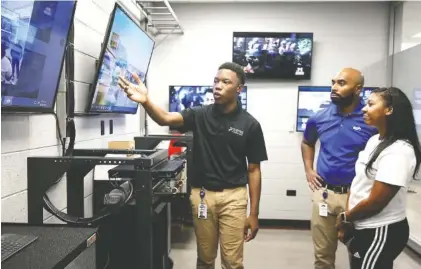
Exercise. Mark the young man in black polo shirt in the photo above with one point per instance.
(228, 148)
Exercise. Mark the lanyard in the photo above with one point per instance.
(324, 194)
(202, 193)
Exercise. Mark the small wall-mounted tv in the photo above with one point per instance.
(274, 55)
(127, 49)
(183, 97)
(311, 99)
(34, 36)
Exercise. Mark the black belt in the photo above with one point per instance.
(341, 189)
(219, 189)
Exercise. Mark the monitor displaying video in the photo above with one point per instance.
(274, 55)
(127, 49)
(34, 37)
(311, 99)
(183, 97)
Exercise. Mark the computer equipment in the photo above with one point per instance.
(34, 36)
(127, 49)
(13, 243)
(311, 99)
(165, 169)
(274, 55)
(183, 97)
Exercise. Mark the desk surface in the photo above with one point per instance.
(57, 245)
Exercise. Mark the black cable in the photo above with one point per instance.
(62, 141)
(70, 93)
(103, 213)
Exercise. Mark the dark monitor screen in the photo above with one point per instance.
(34, 37)
(128, 49)
(183, 97)
(274, 55)
(311, 99)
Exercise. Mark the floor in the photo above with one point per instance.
(272, 249)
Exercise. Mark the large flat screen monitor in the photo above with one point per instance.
(311, 99)
(127, 49)
(34, 37)
(183, 97)
(274, 55)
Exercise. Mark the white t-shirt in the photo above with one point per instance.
(395, 165)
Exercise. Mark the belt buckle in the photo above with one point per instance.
(338, 189)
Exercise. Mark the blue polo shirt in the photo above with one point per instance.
(342, 137)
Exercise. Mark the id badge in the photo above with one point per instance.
(203, 211)
(323, 210)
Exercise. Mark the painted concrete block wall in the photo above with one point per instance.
(35, 135)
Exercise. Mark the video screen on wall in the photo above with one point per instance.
(274, 55)
(183, 97)
(128, 49)
(311, 99)
(34, 37)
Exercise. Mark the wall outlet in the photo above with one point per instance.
(291, 193)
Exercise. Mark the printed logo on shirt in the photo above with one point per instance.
(357, 255)
(356, 128)
(236, 131)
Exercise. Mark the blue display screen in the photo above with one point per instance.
(128, 50)
(183, 97)
(311, 99)
(33, 42)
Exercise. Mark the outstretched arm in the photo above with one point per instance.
(163, 118)
(139, 93)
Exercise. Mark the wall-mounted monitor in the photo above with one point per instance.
(311, 99)
(127, 49)
(274, 55)
(34, 37)
(183, 97)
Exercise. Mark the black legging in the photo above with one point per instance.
(378, 248)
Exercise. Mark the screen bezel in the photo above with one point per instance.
(273, 34)
(298, 102)
(315, 87)
(51, 109)
(89, 109)
(169, 95)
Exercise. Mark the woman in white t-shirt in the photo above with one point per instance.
(377, 198)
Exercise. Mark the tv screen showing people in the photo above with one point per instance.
(274, 55)
(128, 49)
(183, 97)
(34, 37)
(311, 99)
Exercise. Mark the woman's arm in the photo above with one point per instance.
(393, 171)
(380, 196)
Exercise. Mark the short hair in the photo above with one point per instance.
(209, 90)
(237, 69)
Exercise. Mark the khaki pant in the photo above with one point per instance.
(324, 232)
(226, 218)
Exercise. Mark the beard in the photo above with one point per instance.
(342, 101)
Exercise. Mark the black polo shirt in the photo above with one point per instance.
(223, 144)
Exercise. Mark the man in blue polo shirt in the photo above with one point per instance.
(343, 134)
